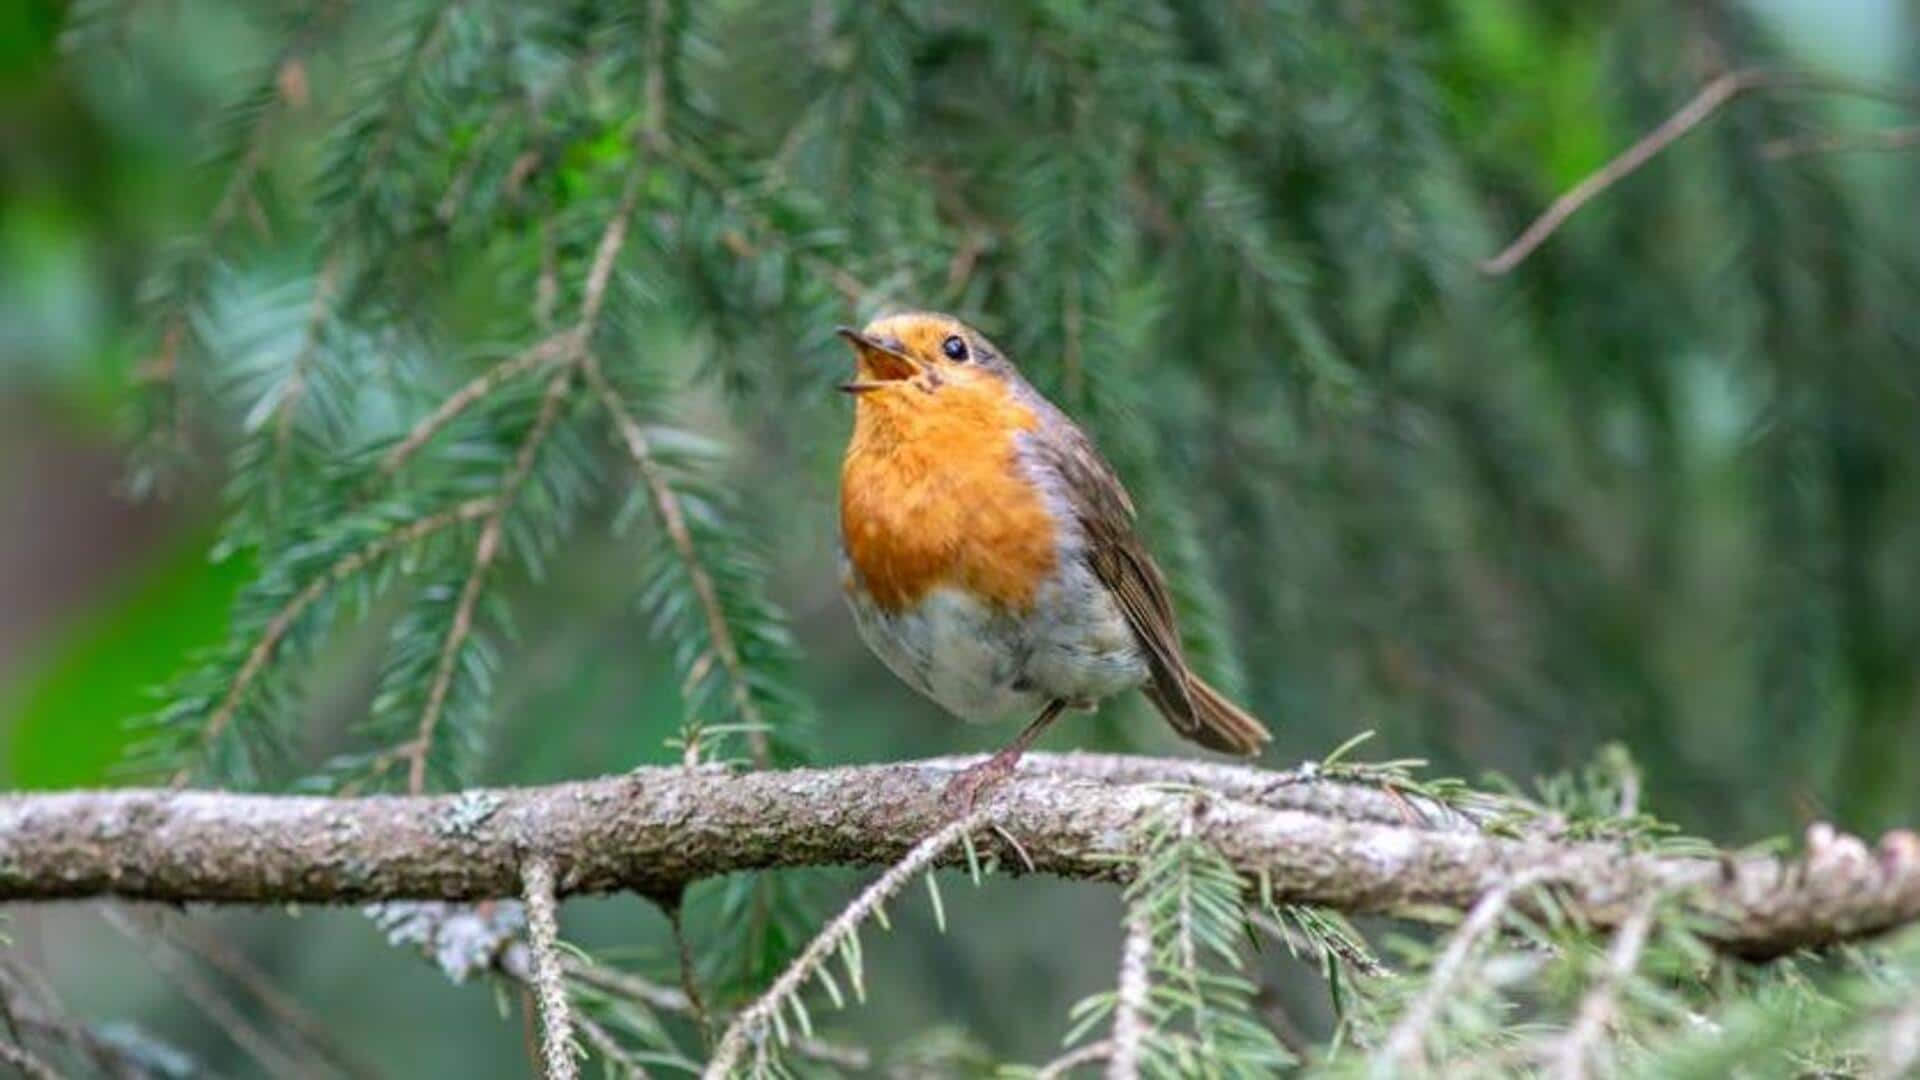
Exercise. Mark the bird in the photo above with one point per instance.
(989, 553)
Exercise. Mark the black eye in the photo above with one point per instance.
(954, 348)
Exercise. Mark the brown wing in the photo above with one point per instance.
(1123, 565)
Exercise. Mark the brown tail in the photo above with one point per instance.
(1215, 723)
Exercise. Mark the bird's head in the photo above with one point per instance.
(917, 357)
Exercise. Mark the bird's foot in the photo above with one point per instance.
(963, 792)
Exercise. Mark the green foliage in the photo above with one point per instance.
(69, 725)
(475, 286)
(1199, 1005)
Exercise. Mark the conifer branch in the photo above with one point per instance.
(1130, 1020)
(1708, 101)
(318, 309)
(655, 830)
(415, 752)
(1064, 1065)
(558, 1050)
(1697, 110)
(24, 1060)
(347, 566)
(1900, 1049)
(1885, 139)
(162, 365)
(470, 393)
(1596, 1009)
(673, 519)
(749, 1029)
(1405, 1043)
(273, 1060)
(239, 183)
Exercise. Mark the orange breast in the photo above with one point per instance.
(931, 495)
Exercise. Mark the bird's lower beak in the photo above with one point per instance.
(876, 363)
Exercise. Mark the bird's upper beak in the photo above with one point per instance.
(876, 362)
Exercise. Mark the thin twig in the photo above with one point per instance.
(1406, 1039)
(318, 308)
(18, 1056)
(593, 294)
(290, 1013)
(273, 1060)
(674, 1000)
(283, 620)
(750, 1025)
(1702, 106)
(485, 550)
(561, 1055)
(1900, 1048)
(462, 399)
(1059, 1067)
(32, 1004)
(855, 292)
(592, 297)
(1596, 1009)
(666, 506)
(690, 975)
(1130, 1019)
(1689, 116)
(627, 984)
(1892, 138)
(609, 1048)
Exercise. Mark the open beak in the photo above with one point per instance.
(875, 363)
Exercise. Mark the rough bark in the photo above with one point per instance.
(654, 830)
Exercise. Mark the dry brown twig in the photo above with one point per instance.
(1884, 139)
(273, 1059)
(1704, 104)
(291, 1014)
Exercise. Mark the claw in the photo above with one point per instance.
(963, 792)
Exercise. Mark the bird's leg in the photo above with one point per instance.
(965, 788)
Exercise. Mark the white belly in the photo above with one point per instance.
(984, 664)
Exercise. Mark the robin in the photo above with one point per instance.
(990, 558)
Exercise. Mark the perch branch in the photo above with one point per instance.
(654, 830)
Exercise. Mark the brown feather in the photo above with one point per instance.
(1106, 514)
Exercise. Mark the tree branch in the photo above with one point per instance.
(1130, 1020)
(673, 519)
(1698, 109)
(283, 620)
(1689, 116)
(558, 1052)
(654, 830)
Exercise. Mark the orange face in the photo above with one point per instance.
(931, 489)
(918, 351)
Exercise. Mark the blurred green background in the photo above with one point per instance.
(1662, 489)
